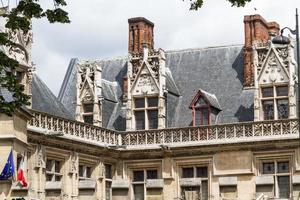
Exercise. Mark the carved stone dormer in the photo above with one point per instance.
(89, 93)
(275, 79)
(146, 85)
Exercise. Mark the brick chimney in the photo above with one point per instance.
(256, 29)
(140, 34)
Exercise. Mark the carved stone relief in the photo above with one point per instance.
(73, 163)
(40, 156)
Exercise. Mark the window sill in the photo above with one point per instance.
(190, 181)
(87, 184)
(53, 185)
(18, 187)
(120, 184)
(155, 183)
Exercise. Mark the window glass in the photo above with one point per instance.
(88, 119)
(139, 103)
(283, 108)
(138, 175)
(201, 172)
(268, 108)
(88, 172)
(268, 168)
(267, 92)
(200, 102)
(283, 167)
(205, 116)
(19, 76)
(282, 91)
(140, 120)
(197, 117)
(151, 174)
(88, 108)
(108, 171)
(284, 186)
(188, 172)
(57, 166)
(80, 170)
(152, 101)
(153, 119)
(49, 165)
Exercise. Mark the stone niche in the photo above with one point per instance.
(242, 163)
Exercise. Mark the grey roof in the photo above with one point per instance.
(218, 71)
(44, 100)
(7, 95)
(211, 98)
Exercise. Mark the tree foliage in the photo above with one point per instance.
(19, 18)
(196, 4)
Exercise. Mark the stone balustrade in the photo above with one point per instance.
(203, 135)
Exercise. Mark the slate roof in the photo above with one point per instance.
(216, 70)
(44, 100)
(7, 95)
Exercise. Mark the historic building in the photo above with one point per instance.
(216, 123)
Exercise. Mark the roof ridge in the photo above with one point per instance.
(202, 48)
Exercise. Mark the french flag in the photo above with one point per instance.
(20, 177)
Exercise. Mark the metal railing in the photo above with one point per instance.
(225, 133)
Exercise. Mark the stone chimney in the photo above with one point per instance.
(257, 29)
(140, 34)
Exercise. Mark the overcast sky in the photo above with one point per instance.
(99, 29)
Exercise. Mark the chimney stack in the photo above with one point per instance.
(140, 34)
(256, 29)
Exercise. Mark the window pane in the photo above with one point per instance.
(19, 76)
(88, 172)
(88, 108)
(284, 186)
(49, 165)
(201, 103)
(267, 92)
(283, 108)
(188, 172)
(140, 120)
(108, 171)
(57, 166)
(201, 172)
(205, 116)
(152, 102)
(139, 103)
(138, 176)
(197, 117)
(138, 191)
(151, 174)
(268, 108)
(80, 171)
(268, 168)
(282, 91)
(57, 178)
(88, 119)
(49, 177)
(108, 190)
(283, 167)
(153, 119)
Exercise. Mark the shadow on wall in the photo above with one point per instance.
(245, 114)
(238, 66)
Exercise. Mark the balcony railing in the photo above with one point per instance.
(204, 135)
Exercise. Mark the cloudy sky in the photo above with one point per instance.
(99, 29)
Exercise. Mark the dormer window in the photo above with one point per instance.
(205, 108)
(146, 113)
(275, 102)
(88, 109)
